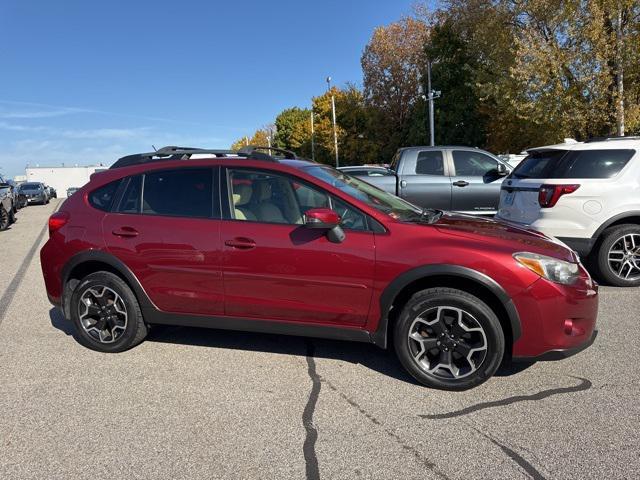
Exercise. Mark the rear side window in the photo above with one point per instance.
(102, 198)
(430, 162)
(472, 164)
(593, 163)
(573, 164)
(132, 196)
(179, 193)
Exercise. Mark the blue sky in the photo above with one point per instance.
(88, 81)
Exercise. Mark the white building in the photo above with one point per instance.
(61, 177)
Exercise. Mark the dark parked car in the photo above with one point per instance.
(461, 179)
(7, 205)
(283, 245)
(35, 192)
(72, 190)
(20, 200)
(52, 192)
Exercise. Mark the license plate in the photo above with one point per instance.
(508, 198)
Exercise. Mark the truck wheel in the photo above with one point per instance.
(448, 339)
(618, 258)
(106, 313)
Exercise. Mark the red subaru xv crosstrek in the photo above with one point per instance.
(249, 241)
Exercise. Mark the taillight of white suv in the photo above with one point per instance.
(548, 195)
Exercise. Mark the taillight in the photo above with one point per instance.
(57, 221)
(548, 195)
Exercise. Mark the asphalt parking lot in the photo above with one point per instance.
(192, 403)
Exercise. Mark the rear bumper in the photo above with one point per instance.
(581, 245)
(557, 320)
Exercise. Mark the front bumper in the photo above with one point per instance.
(557, 320)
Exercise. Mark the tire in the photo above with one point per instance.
(620, 242)
(4, 219)
(121, 331)
(448, 323)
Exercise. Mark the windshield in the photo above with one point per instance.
(30, 186)
(379, 199)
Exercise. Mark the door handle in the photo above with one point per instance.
(461, 183)
(125, 232)
(241, 243)
(403, 184)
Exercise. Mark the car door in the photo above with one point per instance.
(277, 269)
(424, 179)
(166, 229)
(475, 182)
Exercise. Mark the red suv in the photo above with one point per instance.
(248, 241)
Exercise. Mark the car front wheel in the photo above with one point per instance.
(449, 339)
(4, 219)
(106, 313)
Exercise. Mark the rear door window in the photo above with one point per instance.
(472, 164)
(430, 162)
(179, 193)
(131, 199)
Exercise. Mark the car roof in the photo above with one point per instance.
(612, 143)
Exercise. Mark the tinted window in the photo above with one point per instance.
(472, 164)
(102, 198)
(130, 202)
(430, 163)
(31, 186)
(535, 164)
(181, 193)
(574, 164)
(593, 163)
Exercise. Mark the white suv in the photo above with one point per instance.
(588, 196)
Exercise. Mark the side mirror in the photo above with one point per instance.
(323, 218)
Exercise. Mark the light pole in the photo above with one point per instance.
(431, 96)
(313, 138)
(335, 132)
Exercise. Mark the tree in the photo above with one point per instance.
(293, 127)
(260, 138)
(458, 117)
(392, 65)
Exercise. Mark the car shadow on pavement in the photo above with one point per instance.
(367, 355)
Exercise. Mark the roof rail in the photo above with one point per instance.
(610, 138)
(249, 150)
(184, 153)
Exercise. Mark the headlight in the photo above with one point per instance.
(550, 268)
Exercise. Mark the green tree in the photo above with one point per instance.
(458, 117)
(293, 130)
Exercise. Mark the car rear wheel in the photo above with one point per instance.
(106, 313)
(618, 258)
(449, 339)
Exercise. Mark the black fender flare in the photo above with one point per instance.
(614, 219)
(379, 337)
(113, 262)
